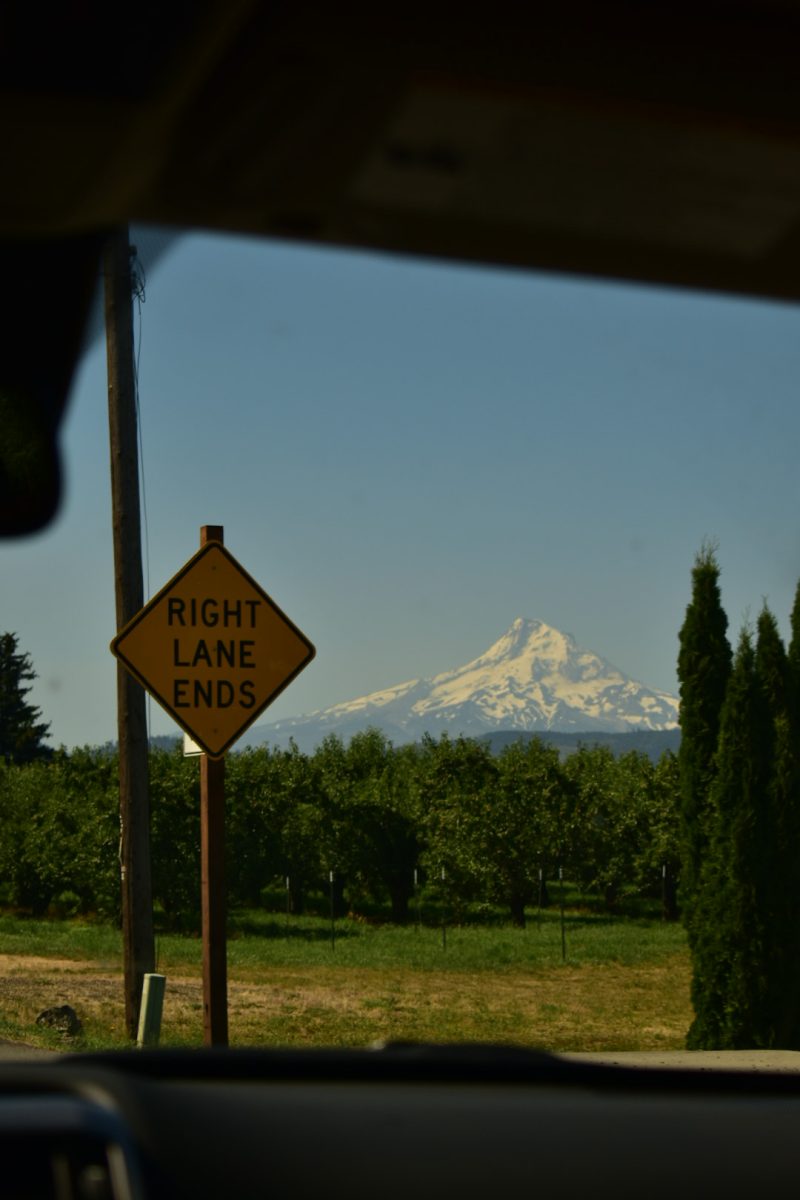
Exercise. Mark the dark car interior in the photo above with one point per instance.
(647, 142)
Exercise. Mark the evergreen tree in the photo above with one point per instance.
(794, 642)
(779, 676)
(21, 732)
(729, 944)
(793, 655)
(704, 667)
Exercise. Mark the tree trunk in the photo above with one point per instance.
(400, 894)
(669, 898)
(517, 906)
(339, 906)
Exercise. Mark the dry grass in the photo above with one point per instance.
(595, 1006)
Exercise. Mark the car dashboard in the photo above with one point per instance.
(401, 1121)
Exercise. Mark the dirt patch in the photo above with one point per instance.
(13, 964)
(593, 1007)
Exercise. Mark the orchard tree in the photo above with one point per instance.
(492, 823)
(456, 780)
(310, 833)
(383, 811)
(601, 824)
(60, 833)
(370, 791)
(616, 819)
(263, 788)
(22, 734)
(523, 832)
(661, 856)
(175, 836)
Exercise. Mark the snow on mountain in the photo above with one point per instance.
(533, 678)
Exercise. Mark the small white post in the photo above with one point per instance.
(151, 1010)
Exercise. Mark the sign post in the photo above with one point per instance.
(213, 905)
(214, 650)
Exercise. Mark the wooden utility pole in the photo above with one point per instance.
(212, 881)
(134, 800)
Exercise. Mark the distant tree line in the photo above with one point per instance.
(473, 826)
(740, 820)
(22, 733)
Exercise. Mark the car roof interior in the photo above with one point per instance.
(628, 140)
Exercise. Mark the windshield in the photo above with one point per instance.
(475, 491)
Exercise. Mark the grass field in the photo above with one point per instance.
(624, 983)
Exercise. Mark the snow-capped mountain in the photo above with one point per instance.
(533, 678)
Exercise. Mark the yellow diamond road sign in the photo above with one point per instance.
(213, 649)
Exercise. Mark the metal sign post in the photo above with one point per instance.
(212, 883)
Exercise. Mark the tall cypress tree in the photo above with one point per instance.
(746, 932)
(704, 667)
(786, 884)
(729, 951)
(780, 844)
(741, 824)
(21, 732)
(793, 655)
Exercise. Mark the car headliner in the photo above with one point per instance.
(648, 142)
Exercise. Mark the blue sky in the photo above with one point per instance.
(409, 455)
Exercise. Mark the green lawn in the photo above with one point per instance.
(623, 983)
(258, 939)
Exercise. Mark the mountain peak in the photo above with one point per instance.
(528, 638)
(534, 677)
